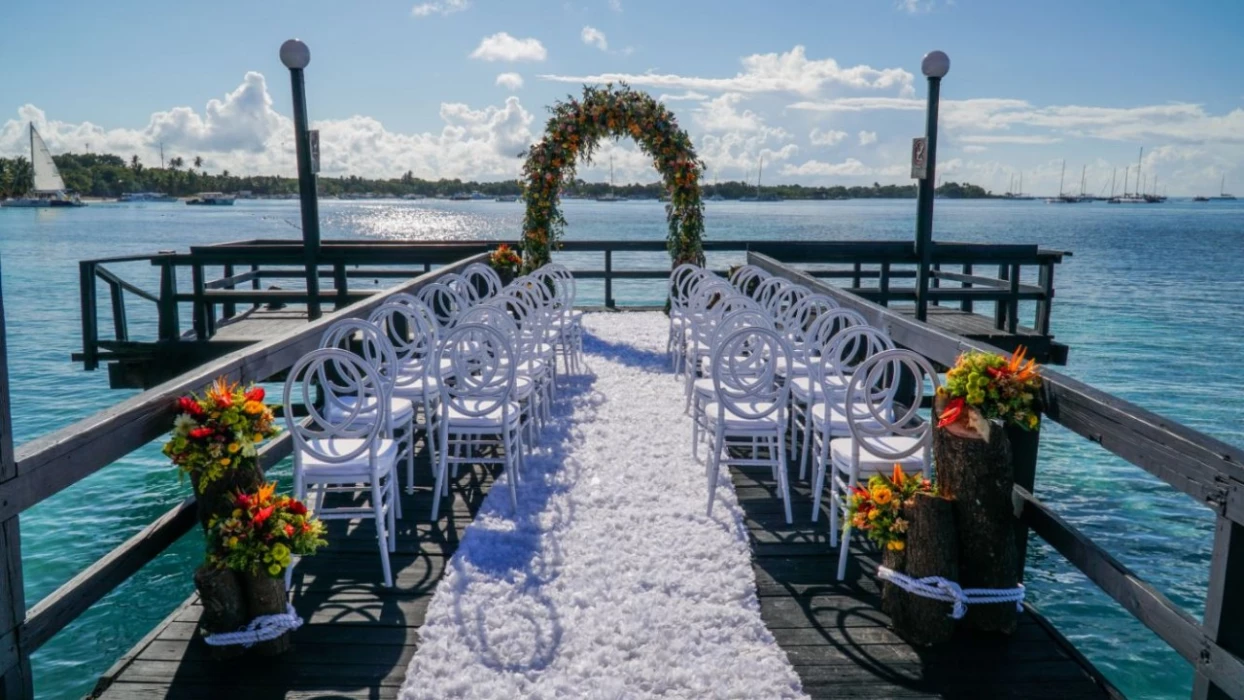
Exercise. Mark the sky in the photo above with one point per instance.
(823, 93)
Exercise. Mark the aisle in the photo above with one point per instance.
(610, 581)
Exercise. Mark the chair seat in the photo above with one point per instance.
(802, 386)
(840, 452)
(491, 419)
(734, 421)
(400, 410)
(316, 470)
(704, 387)
(416, 385)
(838, 418)
(796, 368)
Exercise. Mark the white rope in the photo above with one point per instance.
(264, 628)
(938, 588)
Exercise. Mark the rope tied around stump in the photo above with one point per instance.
(938, 588)
(264, 628)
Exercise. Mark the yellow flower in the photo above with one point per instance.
(234, 447)
(882, 495)
(896, 545)
(858, 520)
(254, 407)
(225, 461)
(874, 514)
(257, 437)
(233, 541)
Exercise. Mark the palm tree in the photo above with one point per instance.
(135, 164)
(198, 162)
(177, 162)
(23, 176)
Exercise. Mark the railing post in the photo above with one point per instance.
(1012, 314)
(855, 279)
(170, 323)
(255, 284)
(339, 281)
(1000, 306)
(15, 676)
(90, 328)
(1024, 447)
(229, 309)
(120, 325)
(883, 284)
(936, 282)
(609, 278)
(200, 303)
(1224, 608)
(1045, 278)
(966, 304)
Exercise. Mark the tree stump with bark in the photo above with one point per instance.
(224, 606)
(266, 596)
(932, 550)
(974, 470)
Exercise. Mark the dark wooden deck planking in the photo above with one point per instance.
(981, 328)
(359, 637)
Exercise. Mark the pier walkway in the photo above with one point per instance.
(609, 580)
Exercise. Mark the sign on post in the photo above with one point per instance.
(314, 137)
(919, 158)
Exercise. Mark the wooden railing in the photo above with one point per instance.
(1207, 469)
(870, 269)
(43, 467)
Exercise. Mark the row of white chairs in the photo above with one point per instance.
(469, 363)
(770, 367)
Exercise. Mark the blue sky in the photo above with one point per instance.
(825, 92)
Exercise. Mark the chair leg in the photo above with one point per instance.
(714, 461)
(391, 511)
(442, 466)
(783, 477)
(513, 449)
(819, 466)
(382, 535)
(806, 452)
(843, 547)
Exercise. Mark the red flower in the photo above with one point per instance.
(188, 405)
(255, 394)
(289, 530)
(297, 508)
(200, 433)
(953, 410)
(262, 516)
(242, 500)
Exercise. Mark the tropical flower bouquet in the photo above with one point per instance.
(506, 261)
(984, 387)
(216, 433)
(878, 509)
(262, 533)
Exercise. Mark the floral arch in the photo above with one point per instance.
(574, 130)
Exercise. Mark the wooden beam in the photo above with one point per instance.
(57, 460)
(16, 682)
(1176, 627)
(1224, 608)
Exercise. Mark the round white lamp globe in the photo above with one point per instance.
(295, 54)
(936, 64)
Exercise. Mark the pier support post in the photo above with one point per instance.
(1224, 609)
(15, 676)
(295, 55)
(934, 66)
(170, 324)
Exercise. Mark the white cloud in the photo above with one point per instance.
(503, 47)
(721, 115)
(681, 96)
(791, 72)
(868, 138)
(244, 134)
(851, 167)
(826, 138)
(510, 81)
(443, 7)
(615, 5)
(594, 37)
(974, 149)
(1009, 138)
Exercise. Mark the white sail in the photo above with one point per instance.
(46, 176)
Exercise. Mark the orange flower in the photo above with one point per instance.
(898, 477)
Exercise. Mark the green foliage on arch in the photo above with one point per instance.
(574, 130)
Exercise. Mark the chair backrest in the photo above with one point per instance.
(679, 280)
(373, 343)
(462, 286)
(444, 302)
(412, 333)
(325, 372)
(875, 411)
(738, 319)
(745, 374)
(496, 315)
(746, 277)
(841, 358)
(484, 279)
(564, 286)
(479, 373)
(798, 319)
(783, 299)
(768, 287)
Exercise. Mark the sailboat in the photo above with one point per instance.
(610, 196)
(1222, 190)
(48, 188)
(716, 193)
(760, 169)
(1064, 198)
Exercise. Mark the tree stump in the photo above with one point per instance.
(216, 498)
(224, 607)
(266, 596)
(974, 469)
(932, 550)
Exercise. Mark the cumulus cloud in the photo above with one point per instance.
(974, 149)
(1009, 138)
(868, 137)
(722, 115)
(442, 7)
(826, 138)
(682, 96)
(851, 167)
(510, 81)
(594, 37)
(503, 47)
(244, 134)
(789, 72)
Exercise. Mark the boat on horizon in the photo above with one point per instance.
(1063, 197)
(1200, 198)
(1222, 190)
(47, 188)
(760, 169)
(211, 199)
(507, 198)
(610, 196)
(146, 197)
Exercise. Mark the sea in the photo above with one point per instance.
(1149, 301)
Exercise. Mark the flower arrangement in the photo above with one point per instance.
(574, 130)
(505, 259)
(212, 434)
(262, 533)
(878, 509)
(994, 387)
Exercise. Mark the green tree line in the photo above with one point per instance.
(107, 175)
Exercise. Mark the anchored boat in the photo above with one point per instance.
(48, 189)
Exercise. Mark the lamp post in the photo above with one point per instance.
(295, 55)
(935, 66)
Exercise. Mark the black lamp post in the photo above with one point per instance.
(935, 66)
(295, 55)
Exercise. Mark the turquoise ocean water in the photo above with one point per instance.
(1149, 303)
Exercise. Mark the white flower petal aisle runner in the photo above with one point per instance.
(610, 582)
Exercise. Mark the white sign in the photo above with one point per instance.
(314, 137)
(919, 158)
